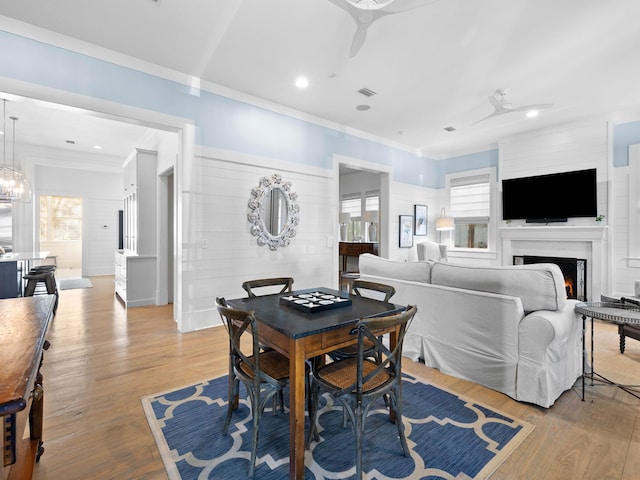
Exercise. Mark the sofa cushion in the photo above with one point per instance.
(540, 286)
(383, 267)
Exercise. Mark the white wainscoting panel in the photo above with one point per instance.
(219, 251)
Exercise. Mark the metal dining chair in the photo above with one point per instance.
(357, 382)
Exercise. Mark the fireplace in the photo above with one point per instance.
(573, 269)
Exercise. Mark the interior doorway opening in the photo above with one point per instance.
(61, 234)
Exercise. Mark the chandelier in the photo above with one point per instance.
(14, 187)
(370, 4)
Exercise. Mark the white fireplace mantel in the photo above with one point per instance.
(560, 241)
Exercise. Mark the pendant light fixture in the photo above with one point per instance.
(13, 186)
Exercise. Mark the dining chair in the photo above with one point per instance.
(264, 374)
(356, 382)
(369, 289)
(251, 285)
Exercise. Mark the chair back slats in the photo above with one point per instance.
(286, 284)
(263, 379)
(387, 360)
(364, 288)
(240, 322)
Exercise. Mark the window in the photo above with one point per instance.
(356, 204)
(470, 208)
(372, 202)
(352, 204)
(60, 218)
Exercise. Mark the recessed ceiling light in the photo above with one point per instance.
(532, 113)
(302, 82)
(362, 108)
(97, 147)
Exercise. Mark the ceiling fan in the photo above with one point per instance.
(365, 12)
(501, 105)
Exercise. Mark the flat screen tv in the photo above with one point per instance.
(550, 198)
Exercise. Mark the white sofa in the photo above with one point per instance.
(509, 328)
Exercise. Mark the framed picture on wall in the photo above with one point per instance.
(420, 219)
(406, 231)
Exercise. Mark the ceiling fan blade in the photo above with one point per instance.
(497, 104)
(358, 39)
(540, 106)
(494, 114)
(363, 19)
(403, 5)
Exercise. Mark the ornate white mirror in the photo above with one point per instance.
(273, 212)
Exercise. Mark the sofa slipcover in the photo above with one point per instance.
(511, 329)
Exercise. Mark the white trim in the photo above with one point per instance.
(118, 112)
(634, 205)
(385, 171)
(552, 236)
(493, 202)
(232, 156)
(196, 84)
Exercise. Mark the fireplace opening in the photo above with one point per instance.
(573, 269)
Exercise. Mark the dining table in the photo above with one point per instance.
(302, 335)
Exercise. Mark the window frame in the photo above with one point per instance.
(52, 224)
(490, 174)
(365, 200)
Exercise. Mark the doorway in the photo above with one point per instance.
(369, 180)
(60, 233)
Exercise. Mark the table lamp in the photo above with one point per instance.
(371, 216)
(344, 219)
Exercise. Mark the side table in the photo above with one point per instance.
(624, 330)
(618, 313)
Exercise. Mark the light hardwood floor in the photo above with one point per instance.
(103, 358)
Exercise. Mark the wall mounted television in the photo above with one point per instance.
(550, 198)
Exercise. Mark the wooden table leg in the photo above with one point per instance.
(297, 382)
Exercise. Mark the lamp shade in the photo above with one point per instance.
(370, 216)
(445, 223)
(345, 217)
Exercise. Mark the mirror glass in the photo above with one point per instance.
(273, 212)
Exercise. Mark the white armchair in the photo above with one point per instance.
(430, 250)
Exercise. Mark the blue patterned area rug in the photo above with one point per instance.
(449, 437)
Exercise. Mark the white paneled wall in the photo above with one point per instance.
(576, 146)
(100, 228)
(101, 194)
(565, 148)
(623, 281)
(219, 252)
(403, 199)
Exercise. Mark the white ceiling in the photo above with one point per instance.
(431, 67)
